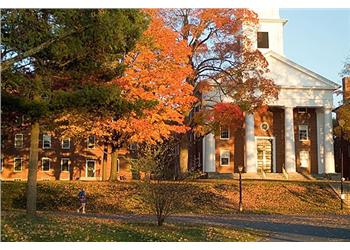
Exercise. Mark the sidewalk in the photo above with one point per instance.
(279, 227)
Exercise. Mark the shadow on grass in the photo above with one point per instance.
(322, 193)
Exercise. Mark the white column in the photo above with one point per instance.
(209, 153)
(289, 140)
(250, 145)
(320, 140)
(328, 142)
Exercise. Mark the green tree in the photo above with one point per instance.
(46, 50)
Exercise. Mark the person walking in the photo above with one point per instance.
(82, 200)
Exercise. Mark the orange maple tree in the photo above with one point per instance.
(156, 72)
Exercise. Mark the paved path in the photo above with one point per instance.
(279, 227)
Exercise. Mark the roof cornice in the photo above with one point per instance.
(271, 20)
(331, 84)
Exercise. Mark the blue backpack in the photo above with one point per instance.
(82, 196)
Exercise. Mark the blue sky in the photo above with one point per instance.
(318, 39)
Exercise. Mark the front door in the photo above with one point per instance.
(264, 151)
(90, 168)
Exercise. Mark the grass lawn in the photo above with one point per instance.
(206, 197)
(49, 227)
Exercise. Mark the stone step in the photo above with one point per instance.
(300, 176)
(249, 176)
(215, 175)
(268, 176)
(334, 177)
(274, 176)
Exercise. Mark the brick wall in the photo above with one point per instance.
(346, 88)
(274, 117)
(308, 118)
(78, 154)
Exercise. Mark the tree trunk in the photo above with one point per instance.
(114, 159)
(33, 170)
(184, 154)
(160, 219)
(104, 162)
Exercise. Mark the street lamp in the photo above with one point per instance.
(342, 195)
(240, 169)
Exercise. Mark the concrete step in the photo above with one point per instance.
(274, 176)
(300, 176)
(268, 176)
(215, 175)
(250, 176)
(334, 177)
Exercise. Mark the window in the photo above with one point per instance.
(45, 164)
(65, 143)
(263, 40)
(132, 146)
(2, 162)
(46, 141)
(224, 133)
(304, 159)
(303, 133)
(264, 126)
(302, 110)
(65, 164)
(224, 157)
(17, 164)
(90, 168)
(91, 142)
(18, 140)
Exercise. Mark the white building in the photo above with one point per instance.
(295, 134)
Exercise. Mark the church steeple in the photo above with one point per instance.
(270, 31)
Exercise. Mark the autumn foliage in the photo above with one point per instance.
(211, 197)
(343, 113)
(157, 71)
(221, 115)
(224, 60)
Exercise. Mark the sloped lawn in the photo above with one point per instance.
(206, 197)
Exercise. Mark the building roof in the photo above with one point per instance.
(326, 83)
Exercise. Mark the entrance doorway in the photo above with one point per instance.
(265, 154)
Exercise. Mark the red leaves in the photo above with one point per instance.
(228, 114)
(221, 115)
(224, 111)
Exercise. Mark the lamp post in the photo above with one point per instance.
(240, 169)
(342, 195)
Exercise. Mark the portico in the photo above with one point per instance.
(297, 128)
(325, 152)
